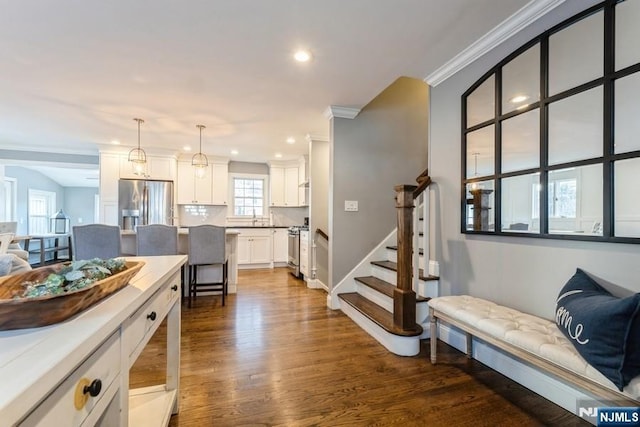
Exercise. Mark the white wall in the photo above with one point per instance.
(524, 273)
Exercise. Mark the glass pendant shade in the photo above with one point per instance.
(137, 156)
(199, 160)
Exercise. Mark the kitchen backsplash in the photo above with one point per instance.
(190, 215)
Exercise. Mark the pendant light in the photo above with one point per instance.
(199, 160)
(137, 156)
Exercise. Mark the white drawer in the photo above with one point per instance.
(60, 407)
(143, 323)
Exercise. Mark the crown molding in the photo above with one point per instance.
(341, 112)
(529, 13)
(317, 138)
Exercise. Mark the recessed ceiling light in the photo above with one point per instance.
(291, 140)
(115, 142)
(234, 152)
(302, 56)
(278, 155)
(186, 148)
(518, 99)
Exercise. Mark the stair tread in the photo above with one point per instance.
(377, 314)
(383, 286)
(390, 265)
(395, 248)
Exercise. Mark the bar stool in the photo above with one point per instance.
(207, 248)
(157, 240)
(96, 241)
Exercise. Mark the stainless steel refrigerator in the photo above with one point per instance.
(142, 202)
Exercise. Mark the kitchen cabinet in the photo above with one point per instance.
(284, 185)
(303, 186)
(255, 247)
(192, 189)
(108, 188)
(304, 253)
(220, 190)
(157, 167)
(280, 245)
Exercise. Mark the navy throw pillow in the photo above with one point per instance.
(604, 329)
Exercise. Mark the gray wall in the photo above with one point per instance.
(384, 146)
(28, 179)
(79, 204)
(248, 167)
(319, 204)
(523, 273)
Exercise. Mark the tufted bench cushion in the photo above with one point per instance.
(534, 335)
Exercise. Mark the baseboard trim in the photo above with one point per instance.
(535, 380)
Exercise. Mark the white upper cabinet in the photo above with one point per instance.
(160, 168)
(192, 189)
(220, 172)
(285, 184)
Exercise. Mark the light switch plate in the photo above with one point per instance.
(351, 206)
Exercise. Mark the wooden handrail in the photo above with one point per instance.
(322, 233)
(423, 181)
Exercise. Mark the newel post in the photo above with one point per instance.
(404, 299)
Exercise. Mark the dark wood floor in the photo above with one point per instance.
(275, 355)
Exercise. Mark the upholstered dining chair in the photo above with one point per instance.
(96, 241)
(207, 248)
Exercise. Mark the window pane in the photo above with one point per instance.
(627, 125)
(575, 200)
(481, 103)
(248, 197)
(480, 206)
(627, 204)
(627, 33)
(575, 127)
(480, 152)
(576, 54)
(521, 204)
(521, 80)
(521, 142)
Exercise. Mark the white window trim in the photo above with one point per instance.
(52, 196)
(11, 203)
(230, 191)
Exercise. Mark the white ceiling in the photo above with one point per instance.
(76, 72)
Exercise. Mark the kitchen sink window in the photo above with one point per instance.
(248, 197)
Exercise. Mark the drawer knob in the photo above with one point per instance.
(174, 288)
(93, 389)
(152, 316)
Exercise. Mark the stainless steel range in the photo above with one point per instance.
(294, 250)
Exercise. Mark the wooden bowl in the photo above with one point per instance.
(41, 311)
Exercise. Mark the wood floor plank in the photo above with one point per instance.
(275, 355)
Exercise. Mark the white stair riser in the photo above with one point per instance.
(392, 255)
(428, 288)
(402, 346)
(374, 296)
(384, 274)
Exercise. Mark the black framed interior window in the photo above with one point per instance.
(551, 134)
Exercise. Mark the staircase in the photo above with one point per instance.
(396, 315)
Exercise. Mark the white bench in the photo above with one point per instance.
(531, 339)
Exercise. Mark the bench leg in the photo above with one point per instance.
(469, 347)
(434, 335)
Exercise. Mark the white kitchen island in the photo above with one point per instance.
(44, 371)
(128, 239)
